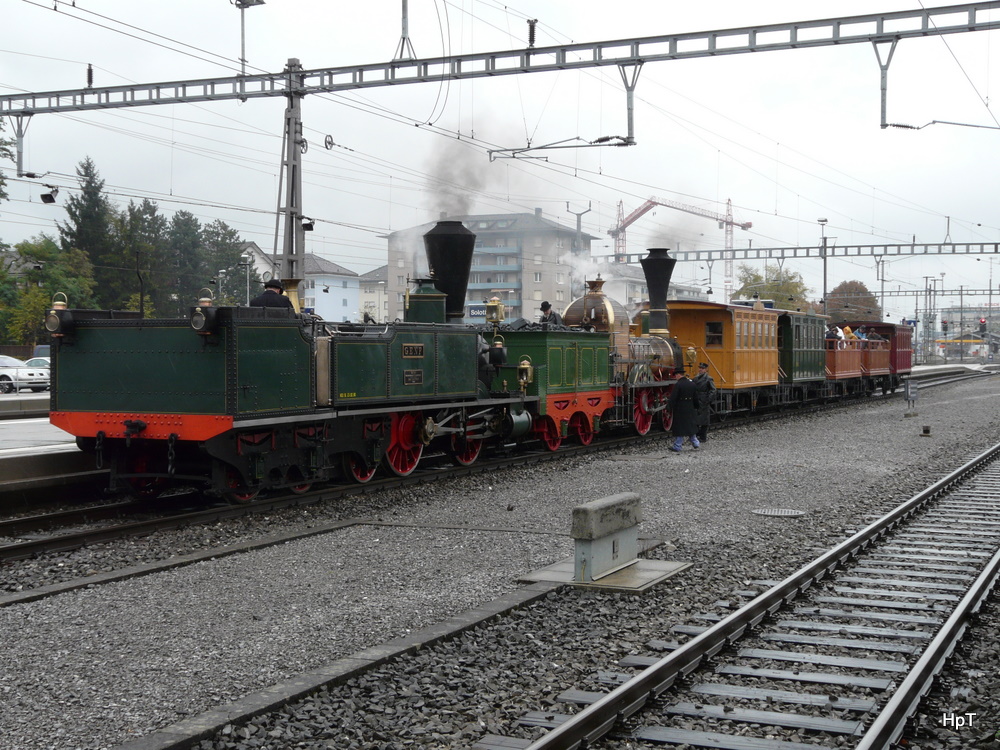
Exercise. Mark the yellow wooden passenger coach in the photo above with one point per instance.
(739, 343)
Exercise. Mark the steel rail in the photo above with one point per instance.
(430, 473)
(889, 724)
(14, 527)
(600, 717)
(958, 378)
(68, 542)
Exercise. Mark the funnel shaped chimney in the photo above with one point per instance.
(449, 246)
(658, 267)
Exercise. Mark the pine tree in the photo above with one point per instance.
(89, 230)
(141, 235)
(184, 241)
(222, 252)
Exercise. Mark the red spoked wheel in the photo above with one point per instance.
(301, 489)
(666, 420)
(581, 428)
(641, 415)
(548, 432)
(405, 447)
(465, 449)
(357, 469)
(237, 490)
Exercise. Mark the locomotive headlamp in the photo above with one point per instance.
(495, 311)
(525, 372)
(203, 320)
(59, 320)
(690, 357)
(498, 352)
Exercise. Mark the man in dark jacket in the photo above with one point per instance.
(706, 392)
(549, 315)
(682, 406)
(272, 296)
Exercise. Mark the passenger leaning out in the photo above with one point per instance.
(831, 336)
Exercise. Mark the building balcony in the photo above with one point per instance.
(491, 285)
(509, 268)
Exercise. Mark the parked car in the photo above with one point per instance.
(38, 362)
(15, 375)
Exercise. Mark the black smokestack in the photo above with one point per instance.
(658, 267)
(449, 246)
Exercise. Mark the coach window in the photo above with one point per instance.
(738, 325)
(713, 333)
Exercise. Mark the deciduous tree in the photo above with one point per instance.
(785, 288)
(851, 300)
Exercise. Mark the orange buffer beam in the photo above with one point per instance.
(158, 426)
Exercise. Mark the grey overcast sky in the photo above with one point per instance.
(788, 136)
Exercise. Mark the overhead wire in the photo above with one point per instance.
(341, 100)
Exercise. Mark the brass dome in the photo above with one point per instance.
(596, 309)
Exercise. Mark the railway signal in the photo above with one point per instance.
(982, 326)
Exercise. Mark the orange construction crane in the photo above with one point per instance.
(618, 232)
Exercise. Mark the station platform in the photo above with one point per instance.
(33, 453)
(21, 405)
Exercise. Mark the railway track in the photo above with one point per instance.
(838, 654)
(37, 535)
(48, 533)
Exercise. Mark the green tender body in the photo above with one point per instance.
(409, 362)
(164, 367)
(273, 368)
(800, 343)
(563, 362)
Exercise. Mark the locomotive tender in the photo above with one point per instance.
(235, 400)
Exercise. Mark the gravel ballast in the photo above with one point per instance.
(95, 668)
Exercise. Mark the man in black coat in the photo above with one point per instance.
(272, 296)
(706, 391)
(549, 315)
(682, 403)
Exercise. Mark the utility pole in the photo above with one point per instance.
(627, 55)
(880, 276)
(822, 252)
(243, 5)
(961, 327)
